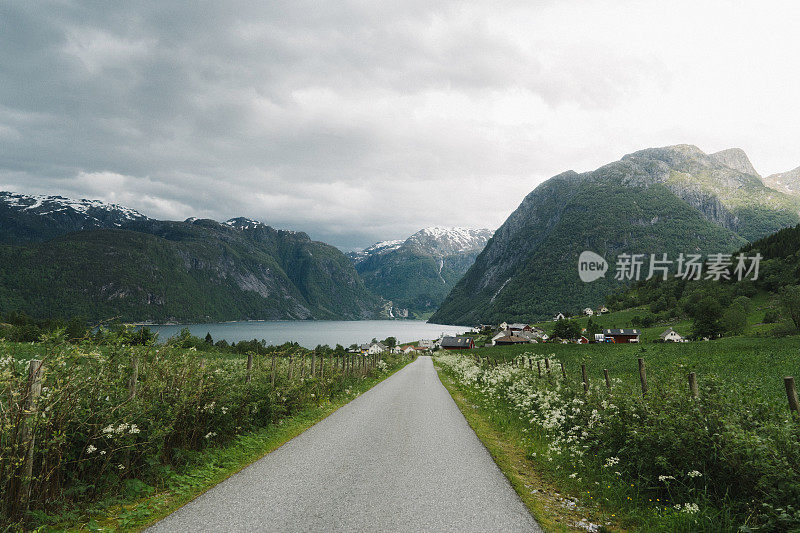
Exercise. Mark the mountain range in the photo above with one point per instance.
(659, 200)
(414, 275)
(62, 258)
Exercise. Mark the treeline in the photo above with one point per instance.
(722, 307)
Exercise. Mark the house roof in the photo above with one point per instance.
(456, 342)
(669, 330)
(613, 332)
(517, 326)
(513, 339)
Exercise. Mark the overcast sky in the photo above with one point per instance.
(364, 121)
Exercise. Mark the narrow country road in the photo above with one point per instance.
(400, 457)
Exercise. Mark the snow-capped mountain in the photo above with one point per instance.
(416, 274)
(26, 217)
(442, 241)
(437, 241)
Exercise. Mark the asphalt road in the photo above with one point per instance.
(400, 457)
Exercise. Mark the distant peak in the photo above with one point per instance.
(736, 159)
(243, 223)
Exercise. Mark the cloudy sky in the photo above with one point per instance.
(359, 121)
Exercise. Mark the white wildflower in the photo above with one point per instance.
(90, 449)
(694, 473)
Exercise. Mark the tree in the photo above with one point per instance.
(567, 329)
(593, 328)
(706, 315)
(790, 298)
(734, 319)
(391, 342)
(771, 316)
(209, 340)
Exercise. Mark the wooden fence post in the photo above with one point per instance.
(563, 372)
(322, 365)
(539, 367)
(608, 381)
(289, 370)
(643, 376)
(134, 377)
(547, 364)
(585, 379)
(313, 363)
(272, 379)
(693, 386)
(249, 368)
(791, 394)
(27, 433)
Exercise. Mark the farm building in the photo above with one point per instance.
(559, 316)
(520, 327)
(457, 343)
(510, 339)
(622, 336)
(588, 311)
(583, 340)
(672, 336)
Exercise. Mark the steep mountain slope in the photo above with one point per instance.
(183, 271)
(25, 218)
(660, 200)
(416, 274)
(788, 182)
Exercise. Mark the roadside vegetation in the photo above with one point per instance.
(726, 460)
(87, 427)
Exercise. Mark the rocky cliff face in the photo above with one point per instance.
(788, 182)
(659, 200)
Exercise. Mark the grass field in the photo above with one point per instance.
(755, 366)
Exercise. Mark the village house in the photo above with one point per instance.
(583, 340)
(622, 336)
(503, 325)
(588, 311)
(457, 343)
(511, 339)
(428, 345)
(520, 327)
(559, 316)
(671, 336)
(602, 310)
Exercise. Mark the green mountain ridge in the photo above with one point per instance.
(183, 271)
(659, 200)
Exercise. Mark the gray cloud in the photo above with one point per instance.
(360, 121)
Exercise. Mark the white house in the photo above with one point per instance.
(408, 350)
(500, 335)
(559, 316)
(376, 347)
(428, 345)
(672, 336)
(602, 310)
(503, 326)
(588, 311)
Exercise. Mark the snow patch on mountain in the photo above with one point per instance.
(97, 213)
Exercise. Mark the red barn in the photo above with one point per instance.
(622, 336)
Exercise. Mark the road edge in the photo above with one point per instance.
(260, 443)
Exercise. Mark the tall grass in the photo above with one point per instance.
(93, 438)
(663, 461)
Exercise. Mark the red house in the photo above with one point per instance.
(622, 336)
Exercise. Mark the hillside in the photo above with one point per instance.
(29, 218)
(416, 274)
(660, 200)
(183, 271)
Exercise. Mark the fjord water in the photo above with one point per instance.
(311, 333)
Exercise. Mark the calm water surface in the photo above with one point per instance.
(310, 333)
